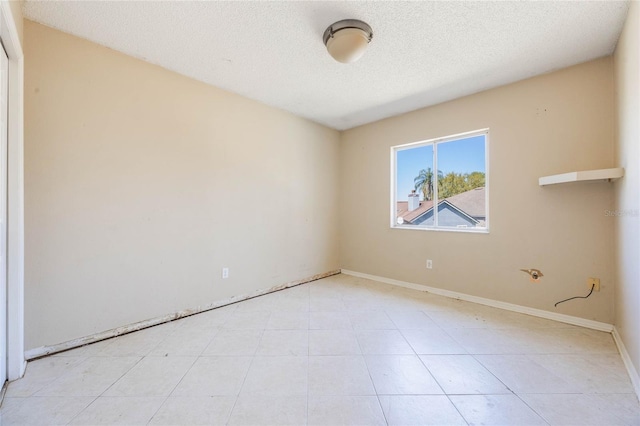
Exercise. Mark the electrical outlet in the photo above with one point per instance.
(225, 273)
(595, 283)
(429, 264)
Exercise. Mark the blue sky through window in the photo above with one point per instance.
(461, 156)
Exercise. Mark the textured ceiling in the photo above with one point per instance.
(422, 53)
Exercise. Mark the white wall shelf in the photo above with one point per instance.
(586, 175)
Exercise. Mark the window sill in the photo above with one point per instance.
(429, 228)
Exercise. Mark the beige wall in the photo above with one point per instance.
(142, 184)
(550, 124)
(627, 227)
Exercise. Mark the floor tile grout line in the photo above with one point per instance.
(59, 377)
(533, 409)
(116, 380)
(120, 378)
(215, 330)
(457, 410)
(33, 394)
(531, 360)
(162, 340)
(158, 409)
(244, 380)
(373, 383)
(103, 392)
(431, 374)
(474, 356)
(174, 388)
(308, 354)
(81, 411)
(456, 341)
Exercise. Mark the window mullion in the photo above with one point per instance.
(435, 185)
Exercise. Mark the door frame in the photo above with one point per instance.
(4, 136)
(16, 363)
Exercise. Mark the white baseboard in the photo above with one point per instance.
(595, 325)
(71, 344)
(631, 369)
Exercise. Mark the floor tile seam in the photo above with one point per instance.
(121, 376)
(412, 394)
(307, 395)
(572, 353)
(632, 393)
(86, 360)
(536, 353)
(492, 373)
(431, 374)
(236, 398)
(217, 330)
(160, 341)
(456, 340)
(59, 377)
(530, 359)
(355, 334)
(83, 410)
(408, 343)
(457, 410)
(246, 374)
(566, 393)
(158, 409)
(447, 393)
(539, 414)
(195, 359)
(308, 326)
(230, 356)
(572, 393)
(204, 348)
(384, 415)
(366, 365)
(228, 419)
(373, 383)
(351, 355)
(321, 394)
(278, 355)
(47, 383)
(114, 356)
(436, 324)
(307, 329)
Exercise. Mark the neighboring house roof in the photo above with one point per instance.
(471, 203)
(410, 216)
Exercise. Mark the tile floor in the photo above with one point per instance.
(341, 350)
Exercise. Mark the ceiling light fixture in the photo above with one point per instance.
(347, 40)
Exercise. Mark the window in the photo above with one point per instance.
(450, 174)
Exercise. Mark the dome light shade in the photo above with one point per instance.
(347, 40)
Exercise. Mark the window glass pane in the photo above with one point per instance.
(461, 183)
(414, 186)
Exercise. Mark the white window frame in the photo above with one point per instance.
(434, 142)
